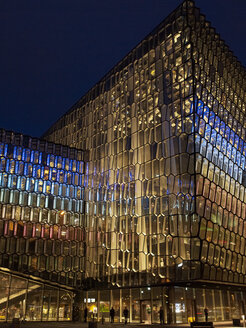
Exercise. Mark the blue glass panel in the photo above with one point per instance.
(240, 148)
(17, 167)
(5, 150)
(1, 149)
(228, 151)
(7, 165)
(36, 186)
(23, 157)
(227, 133)
(222, 128)
(213, 137)
(230, 170)
(60, 190)
(40, 158)
(233, 154)
(66, 176)
(25, 169)
(240, 175)
(10, 181)
(217, 123)
(242, 162)
(207, 132)
(244, 149)
(209, 152)
(14, 152)
(235, 172)
(232, 136)
(52, 188)
(238, 161)
(201, 127)
(48, 159)
(34, 171)
(219, 140)
(19, 182)
(63, 163)
(59, 162)
(197, 142)
(196, 123)
(200, 108)
(236, 141)
(27, 184)
(70, 165)
(224, 145)
(32, 156)
(42, 171)
(226, 162)
(211, 118)
(206, 114)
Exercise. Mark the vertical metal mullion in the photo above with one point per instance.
(98, 304)
(42, 302)
(151, 304)
(7, 303)
(49, 305)
(58, 304)
(229, 303)
(214, 308)
(221, 306)
(120, 305)
(26, 296)
(130, 310)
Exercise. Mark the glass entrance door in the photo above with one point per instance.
(145, 308)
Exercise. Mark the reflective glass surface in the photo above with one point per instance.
(138, 189)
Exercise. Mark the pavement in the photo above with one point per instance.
(226, 324)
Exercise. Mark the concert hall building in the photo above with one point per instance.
(136, 197)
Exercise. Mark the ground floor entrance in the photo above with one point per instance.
(178, 304)
(36, 300)
(145, 311)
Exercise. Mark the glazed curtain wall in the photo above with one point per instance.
(176, 100)
(220, 125)
(33, 301)
(41, 210)
(220, 196)
(138, 130)
(180, 304)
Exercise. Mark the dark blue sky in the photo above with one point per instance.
(53, 51)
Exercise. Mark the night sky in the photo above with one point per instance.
(53, 51)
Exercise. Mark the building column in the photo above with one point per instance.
(214, 308)
(7, 304)
(151, 304)
(130, 310)
(98, 304)
(42, 302)
(221, 306)
(58, 303)
(121, 305)
(229, 303)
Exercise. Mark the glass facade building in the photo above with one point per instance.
(41, 235)
(159, 200)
